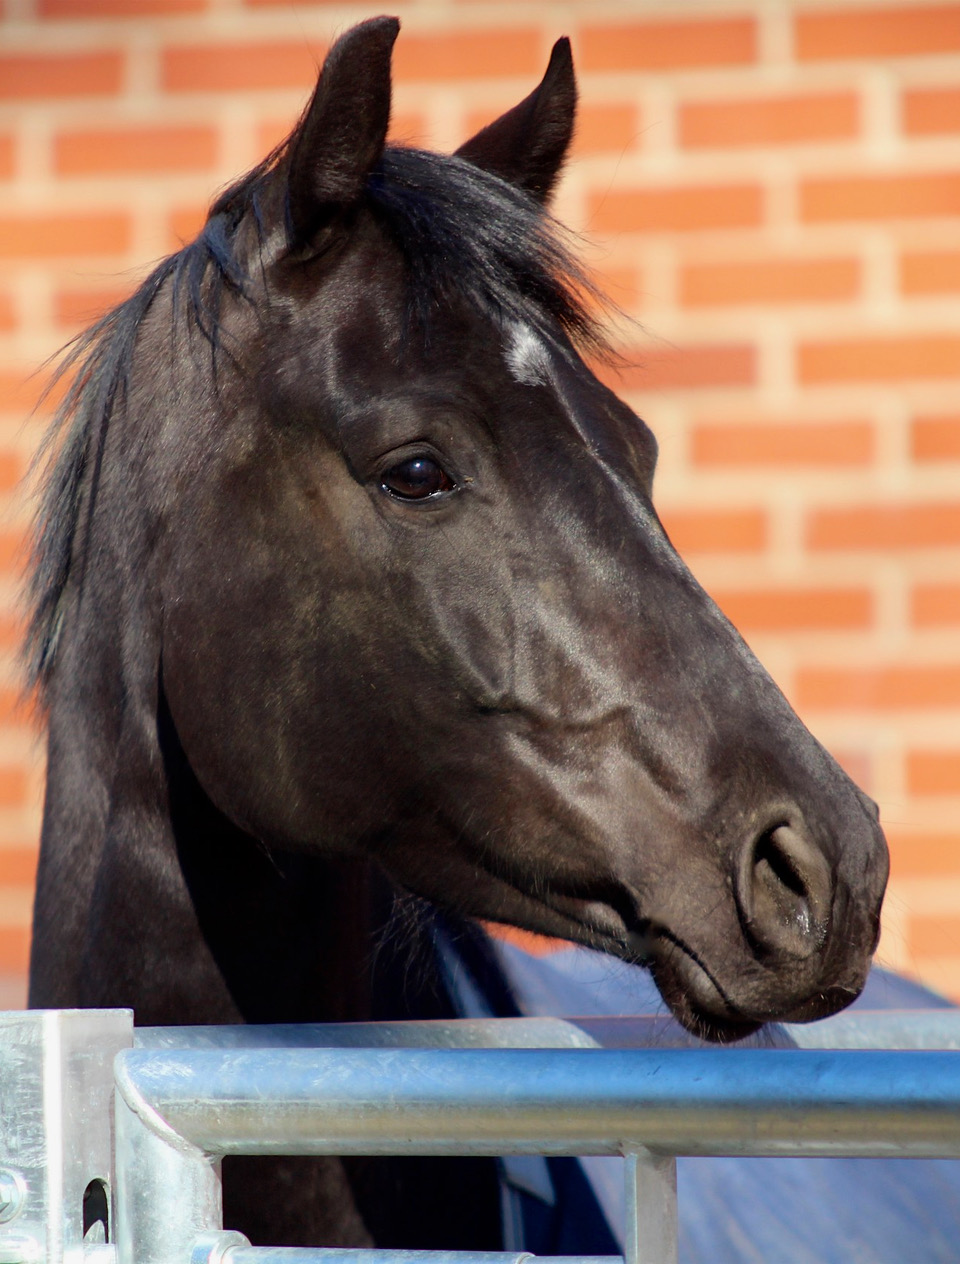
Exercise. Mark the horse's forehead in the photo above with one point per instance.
(527, 355)
(534, 360)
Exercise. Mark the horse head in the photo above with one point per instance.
(413, 600)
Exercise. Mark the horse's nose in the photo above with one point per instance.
(871, 805)
(784, 890)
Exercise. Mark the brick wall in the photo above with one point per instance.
(772, 190)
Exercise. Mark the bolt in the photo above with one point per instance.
(13, 1192)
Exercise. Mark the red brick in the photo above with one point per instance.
(20, 392)
(408, 127)
(923, 854)
(880, 197)
(610, 128)
(877, 31)
(930, 272)
(879, 359)
(933, 772)
(12, 551)
(75, 309)
(844, 443)
(185, 223)
(931, 111)
(272, 132)
(17, 709)
(536, 945)
(453, 55)
(885, 527)
(11, 631)
(240, 67)
(933, 605)
(797, 609)
(33, 76)
(779, 280)
(788, 120)
(858, 766)
(882, 688)
(135, 151)
(606, 129)
(18, 866)
(666, 45)
(688, 208)
(32, 388)
(935, 439)
(621, 285)
(45, 236)
(935, 935)
(14, 786)
(686, 368)
(116, 8)
(716, 530)
(478, 54)
(13, 468)
(14, 949)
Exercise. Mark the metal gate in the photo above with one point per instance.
(111, 1138)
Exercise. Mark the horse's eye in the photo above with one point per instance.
(417, 478)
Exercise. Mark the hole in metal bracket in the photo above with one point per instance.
(96, 1214)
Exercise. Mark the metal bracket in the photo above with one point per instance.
(56, 1130)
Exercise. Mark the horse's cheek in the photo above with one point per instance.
(278, 702)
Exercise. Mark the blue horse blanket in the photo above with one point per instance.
(731, 1210)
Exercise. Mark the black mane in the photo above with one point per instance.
(463, 233)
(467, 233)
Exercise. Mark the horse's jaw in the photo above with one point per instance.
(740, 926)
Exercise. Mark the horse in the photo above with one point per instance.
(348, 595)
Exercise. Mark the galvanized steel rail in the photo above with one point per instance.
(550, 1101)
(187, 1097)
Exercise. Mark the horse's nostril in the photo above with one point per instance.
(784, 892)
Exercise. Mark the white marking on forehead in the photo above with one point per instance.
(532, 363)
(527, 356)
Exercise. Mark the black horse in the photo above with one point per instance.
(347, 580)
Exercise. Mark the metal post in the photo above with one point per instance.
(168, 1191)
(56, 1143)
(651, 1222)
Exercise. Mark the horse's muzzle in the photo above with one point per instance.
(808, 920)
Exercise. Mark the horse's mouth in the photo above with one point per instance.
(695, 997)
(689, 988)
(700, 1003)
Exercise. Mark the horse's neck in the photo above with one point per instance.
(150, 897)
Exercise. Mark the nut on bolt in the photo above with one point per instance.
(13, 1193)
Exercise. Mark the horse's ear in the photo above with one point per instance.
(343, 130)
(527, 145)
